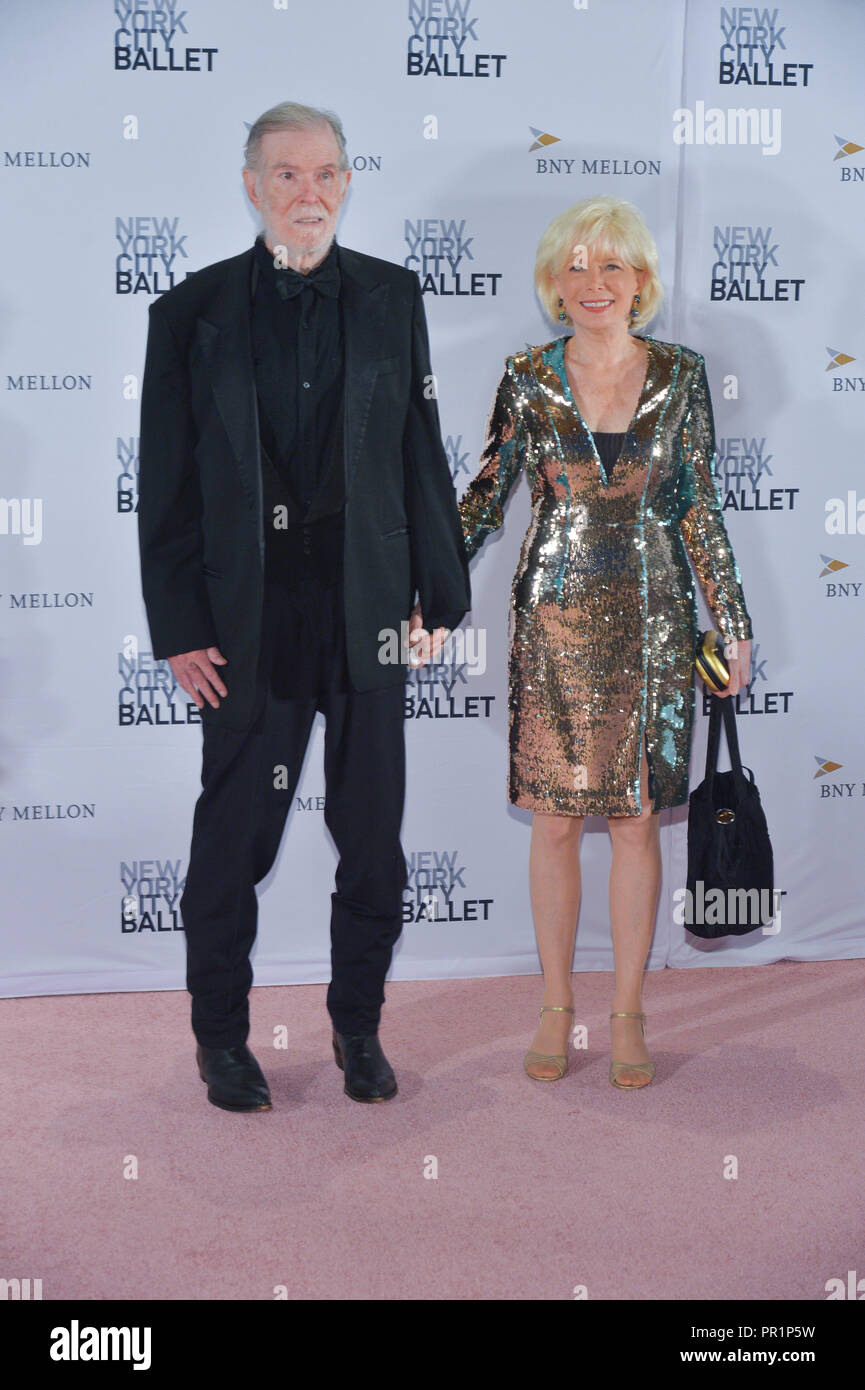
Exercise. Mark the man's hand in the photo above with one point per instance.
(738, 656)
(422, 646)
(195, 672)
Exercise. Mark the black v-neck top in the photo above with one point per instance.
(609, 446)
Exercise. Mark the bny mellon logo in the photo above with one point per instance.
(838, 359)
(542, 139)
(825, 765)
(846, 147)
(832, 566)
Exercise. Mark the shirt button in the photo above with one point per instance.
(306, 386)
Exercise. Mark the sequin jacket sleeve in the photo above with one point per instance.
(502, 458)
(701, 520)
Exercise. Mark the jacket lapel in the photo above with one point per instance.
(364, 301)
(573, 437)
(224, 336)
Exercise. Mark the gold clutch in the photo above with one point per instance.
(710, 661)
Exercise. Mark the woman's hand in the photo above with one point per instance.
(738, 656)
(424, 647)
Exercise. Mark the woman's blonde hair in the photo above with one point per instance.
(604, 224)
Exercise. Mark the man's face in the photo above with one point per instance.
(299, 189)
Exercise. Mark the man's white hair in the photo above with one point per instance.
(290, 115)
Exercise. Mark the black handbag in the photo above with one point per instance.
(730, 866)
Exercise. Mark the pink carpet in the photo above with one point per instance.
(540, 1188)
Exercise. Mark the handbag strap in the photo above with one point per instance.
(714, 735)
(723, 709)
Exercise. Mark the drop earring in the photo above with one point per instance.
(635, 307)
(562, 314)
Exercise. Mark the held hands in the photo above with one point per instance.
(738, 656)
(424, 647)
(195, 672)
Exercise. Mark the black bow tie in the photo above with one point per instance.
(324, 278)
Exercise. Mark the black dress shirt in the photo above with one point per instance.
(299, 366)
(299, 375)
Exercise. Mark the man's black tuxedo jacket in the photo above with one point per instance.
(200, 505)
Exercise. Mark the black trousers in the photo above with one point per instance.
(240, 818)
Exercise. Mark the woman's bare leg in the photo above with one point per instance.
(554, 881)
(635, 880)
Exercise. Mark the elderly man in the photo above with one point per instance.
(295, 501)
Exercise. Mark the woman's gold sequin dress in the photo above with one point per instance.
(603, 618)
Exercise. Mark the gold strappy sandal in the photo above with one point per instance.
(559, 1060)
(647, 1068)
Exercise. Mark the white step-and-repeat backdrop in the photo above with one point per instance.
(738, 131)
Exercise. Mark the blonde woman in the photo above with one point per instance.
(614, 430)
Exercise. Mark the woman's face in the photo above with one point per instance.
(598, 287)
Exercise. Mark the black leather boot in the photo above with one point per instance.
(368, 1074)
(234, 1079)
